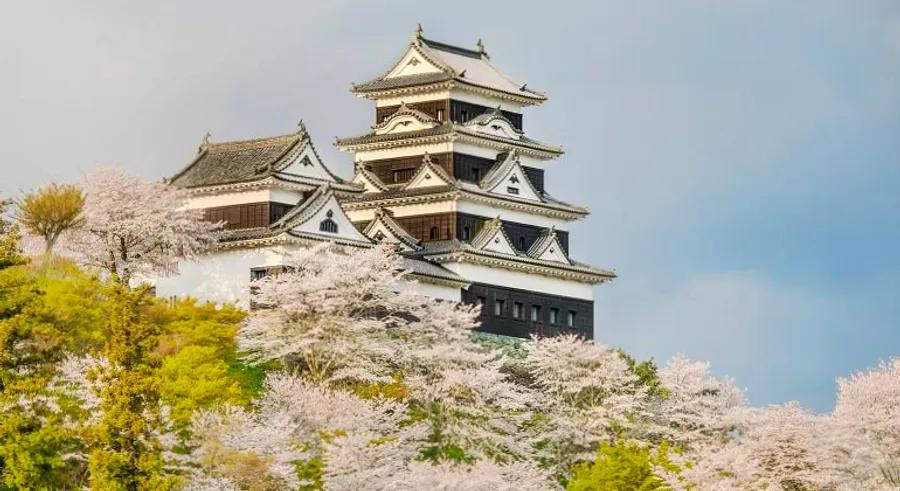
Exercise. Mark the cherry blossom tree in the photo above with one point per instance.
(865, 426)
(134, 227)
(586, 393)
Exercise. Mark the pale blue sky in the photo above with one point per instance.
(741, 159)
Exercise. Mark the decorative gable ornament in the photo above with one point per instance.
(508, 178)
(494, 123)
(493, 238)
(548, 248)
(383, 228)
(321, 214)
(368, 180)
(405, 119)
(304, 161)
(428, 175)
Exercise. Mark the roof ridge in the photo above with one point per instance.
(296, 134)
(452, 48)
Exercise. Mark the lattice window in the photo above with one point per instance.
(328, 225)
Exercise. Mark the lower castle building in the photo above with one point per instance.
(445, 173)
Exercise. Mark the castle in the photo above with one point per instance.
(446, 173)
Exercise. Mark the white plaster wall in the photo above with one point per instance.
(486, 210)
(405, 68)
(256, 196)
(466, 96)
(405, 210)
(404, 151)
(346, 230)
(412, 98)
(434, 291)
(524, 281)
(221, 277)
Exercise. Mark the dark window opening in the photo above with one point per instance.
(465, 233)
(570, 319)
(499, 306)
(554, 316)
(403, 175)
(512, 190)
(479, 301)
(517, 310)
(434, 233)
(521, 243)
(476, 174)
(463, 116)
(257, 274)
(327, 225)
(535, 313)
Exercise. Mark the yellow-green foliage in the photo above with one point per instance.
(198, 349)
(621, 467)
(51, 210)
(44, 313)
(180, 354)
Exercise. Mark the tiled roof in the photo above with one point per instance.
(248, 160)
(220, 163)
(460, 65)
(446, 128)
(431, 250)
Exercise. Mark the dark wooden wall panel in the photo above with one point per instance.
(401, 169)
(507, 324)
(536, 176)
(421, 226)
(462, 112)
(438, 109)
(248, 215)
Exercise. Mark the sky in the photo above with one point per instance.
(741, 160)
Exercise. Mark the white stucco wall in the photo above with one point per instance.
(523, 281)
(285, 196)
(221, 277)
(434, 291)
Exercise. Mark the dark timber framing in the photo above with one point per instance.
(464, 227)
(445, 110)
(247, 215)
(504, 300)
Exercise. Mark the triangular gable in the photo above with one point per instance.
(368, 180)
(493, 238)
(384, 229)
(494, 123)
(429, 175)
(548, 248)
(509, 179)
(405, 119)
(305, 161)
(321, 215)
(414, 62)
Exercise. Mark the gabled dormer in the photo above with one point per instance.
(427, 66)
(549, 248)
(384, 229)
(320, 216)
(368, 180)
(494, 123)
(493, 238)
(304, 161)
(428, 175)
(405, 119)
(508, 178)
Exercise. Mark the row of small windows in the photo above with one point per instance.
(518, 312)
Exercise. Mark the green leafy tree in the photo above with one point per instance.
(10, 254)
(126, 453)
(44, 313)
(50, 211)
(623, 467)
